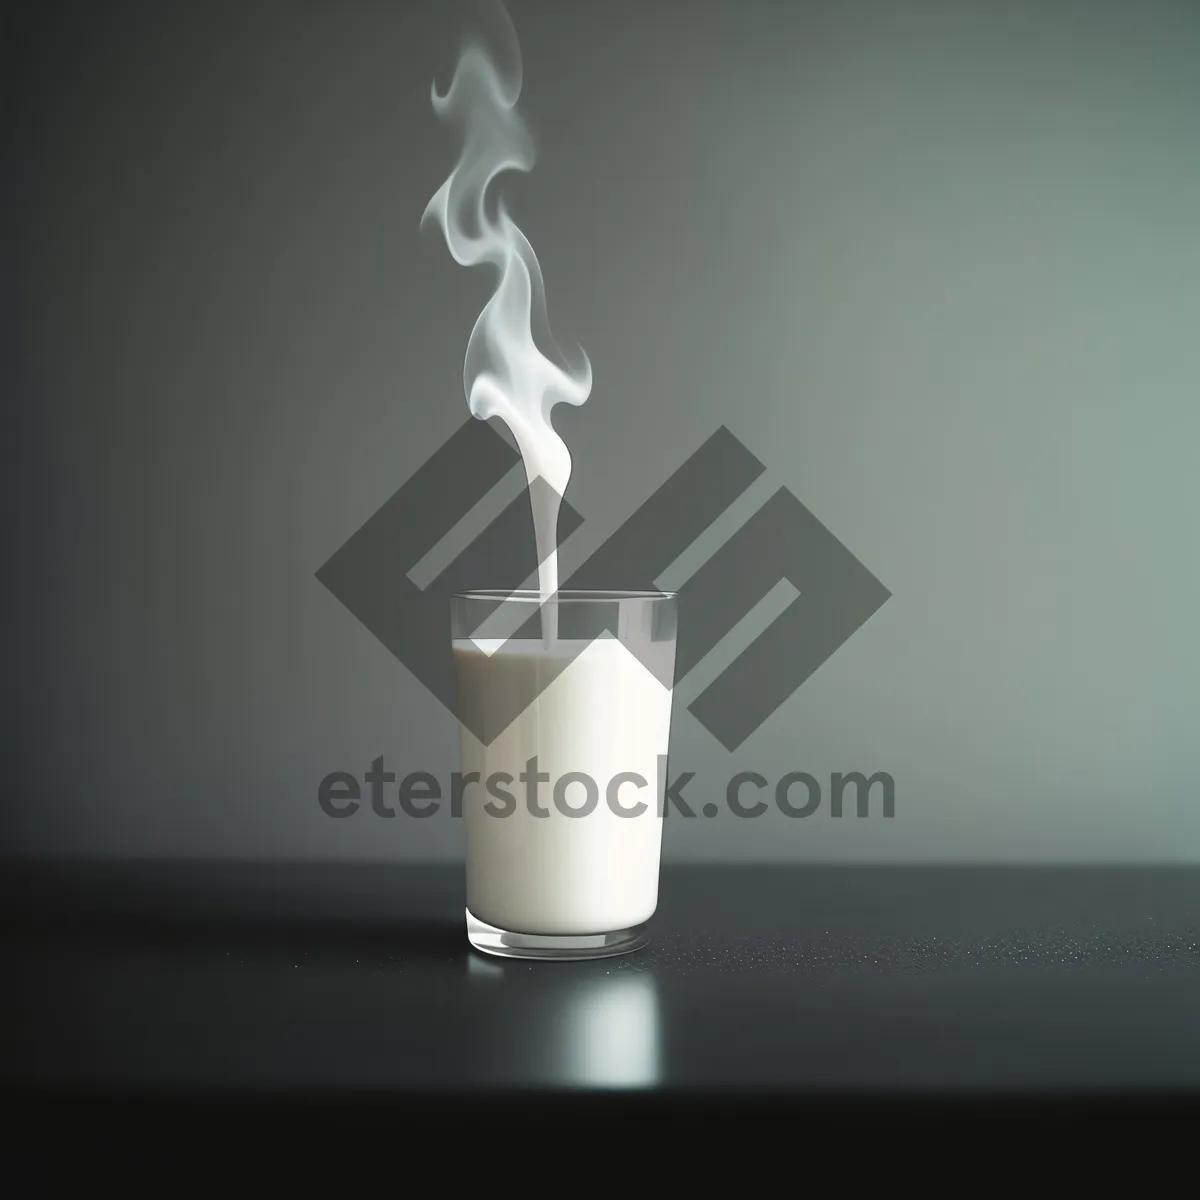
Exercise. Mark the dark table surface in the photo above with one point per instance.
(260, 979)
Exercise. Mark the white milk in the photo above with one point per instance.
(603, 715)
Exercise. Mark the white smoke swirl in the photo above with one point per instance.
(505, 374)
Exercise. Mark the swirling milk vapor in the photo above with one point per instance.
(505, 374)
(605, 714)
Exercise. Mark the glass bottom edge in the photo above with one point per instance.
(557, 947)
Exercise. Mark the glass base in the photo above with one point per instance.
(561, 947)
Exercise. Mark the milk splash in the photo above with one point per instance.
(505, 374)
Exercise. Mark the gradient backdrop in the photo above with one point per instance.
(936, 264)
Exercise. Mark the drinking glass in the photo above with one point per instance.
(564, 711)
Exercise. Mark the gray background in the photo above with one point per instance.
(938, 265)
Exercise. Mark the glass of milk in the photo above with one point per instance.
(564, 708)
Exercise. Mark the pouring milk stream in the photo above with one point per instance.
(506, 374)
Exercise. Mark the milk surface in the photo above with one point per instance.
(603, 714)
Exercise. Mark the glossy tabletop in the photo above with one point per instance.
(334, 979)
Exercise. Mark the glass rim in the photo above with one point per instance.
(565, 596)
